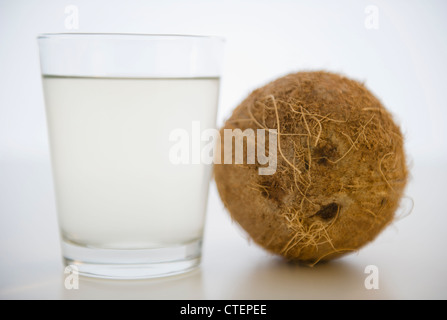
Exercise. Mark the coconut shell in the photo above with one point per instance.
(341, 168)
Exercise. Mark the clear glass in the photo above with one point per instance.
(113, 101)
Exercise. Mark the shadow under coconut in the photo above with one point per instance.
(279, 279)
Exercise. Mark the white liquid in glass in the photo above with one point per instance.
(115, 185)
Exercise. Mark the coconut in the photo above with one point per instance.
(341, 168)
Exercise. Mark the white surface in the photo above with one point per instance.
(410, 254)
(402, 62)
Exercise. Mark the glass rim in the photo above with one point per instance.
(104, 35)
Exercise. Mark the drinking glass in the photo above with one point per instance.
(126, 210)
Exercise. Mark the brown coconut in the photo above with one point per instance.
(341, 167)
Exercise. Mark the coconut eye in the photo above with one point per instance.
(328, 212)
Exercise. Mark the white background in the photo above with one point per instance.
(403, 62)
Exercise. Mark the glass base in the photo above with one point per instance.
(132, 264)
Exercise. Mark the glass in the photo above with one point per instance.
(113, 102)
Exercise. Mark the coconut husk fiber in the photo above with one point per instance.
(341, 167)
